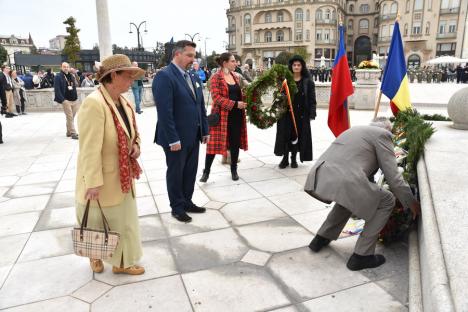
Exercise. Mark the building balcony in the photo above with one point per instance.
(416, 37)
(230, 29)
(231, 46)
(273, 43)
(388, 17)
(325, 41)
(323, 21)
(449, 11)
(449, 35)
(385, 39)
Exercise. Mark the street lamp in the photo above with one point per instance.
(138, 32)
(206, 55)
(192, 37)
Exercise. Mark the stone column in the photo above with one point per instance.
(365, 89)
(105, 42)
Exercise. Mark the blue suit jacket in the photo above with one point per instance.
(181, 115)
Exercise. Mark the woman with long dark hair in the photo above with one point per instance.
(304, 106)
(231, 131)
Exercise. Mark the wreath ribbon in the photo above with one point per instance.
(285, 87)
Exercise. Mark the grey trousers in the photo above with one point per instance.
(339, 216)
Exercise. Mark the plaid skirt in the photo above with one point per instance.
(123, 219)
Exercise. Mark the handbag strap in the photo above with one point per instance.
(84, 222)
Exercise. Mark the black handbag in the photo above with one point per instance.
(213, 119)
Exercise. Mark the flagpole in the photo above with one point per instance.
(379, 97)
(347, 110)
(377, 104)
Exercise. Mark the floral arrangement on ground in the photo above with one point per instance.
(411, 134)
(259, 114)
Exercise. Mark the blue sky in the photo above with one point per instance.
(164, 19)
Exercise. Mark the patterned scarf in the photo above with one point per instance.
(128, 166)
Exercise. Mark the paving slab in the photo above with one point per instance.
(157, 260)
(276, 235)
(310, 275)
(210, 249)
(43, 277)
(373, 299)
(201, 222)
(91, 291)
(165, 294)
(24, 204)
(251, 211)
(53, 305)
(236, 287)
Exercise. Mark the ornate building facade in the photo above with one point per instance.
(259, 30)
(15, 44)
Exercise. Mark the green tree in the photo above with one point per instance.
(33, 49)
(211, 60)
(3, 55)
(283, 58)
(72, 42)
(303, 52)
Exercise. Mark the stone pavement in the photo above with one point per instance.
(247, 253)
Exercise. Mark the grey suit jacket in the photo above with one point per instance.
(342, 173)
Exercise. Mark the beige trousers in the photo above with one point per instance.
(339, 216)
(10, 101)
(70, 108)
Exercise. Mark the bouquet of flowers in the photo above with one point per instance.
(368, 65)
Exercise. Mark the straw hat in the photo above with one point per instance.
(117, 62)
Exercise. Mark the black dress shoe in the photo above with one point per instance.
(205, 176)
(195, 209)
(318, 243)
(284, 163)
(234, 176)
(357, 262)
(182, 217)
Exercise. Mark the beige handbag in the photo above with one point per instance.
(94, 244)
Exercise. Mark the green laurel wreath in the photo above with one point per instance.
(265, 117)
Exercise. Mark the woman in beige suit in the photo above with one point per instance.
(107, 162)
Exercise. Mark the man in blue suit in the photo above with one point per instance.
(181, 126)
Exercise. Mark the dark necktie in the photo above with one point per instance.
(189, 82)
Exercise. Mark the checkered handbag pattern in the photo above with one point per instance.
(94, 244)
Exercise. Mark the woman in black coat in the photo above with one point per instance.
(304, 106)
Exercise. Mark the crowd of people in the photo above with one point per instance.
(109, 148)
(458, 74)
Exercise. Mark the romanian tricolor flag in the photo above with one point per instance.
(395, 80)
(341, 88)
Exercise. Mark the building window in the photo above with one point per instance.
(298, 36)
(418, 5)
(327, 14)
(364, 8)
(394, 8)
(351, 8)
(268, 18)
(442, 25)
(318, 14)
(299, 15)
(268, 37)
(444, 4)
(416, 28)
(385, 9)
(453, 27)
(247, 20)
(279, 17)
(307, 34)
(247, 38)
(350, 24)
(446, 49)
(279, 35)
(428, 28)
(407, 5)
(318, 53)
(318, 35)
(363, 26)
(429, 5)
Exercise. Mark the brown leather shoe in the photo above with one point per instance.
(96, 265)
(133, 270)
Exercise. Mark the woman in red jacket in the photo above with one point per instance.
(231, 131)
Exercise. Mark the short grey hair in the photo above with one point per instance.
(381, 122)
